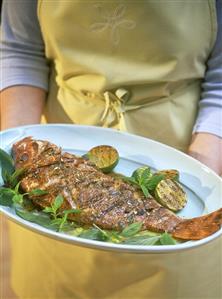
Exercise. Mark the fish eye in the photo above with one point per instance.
(24, 157)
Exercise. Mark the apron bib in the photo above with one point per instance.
(134, 66)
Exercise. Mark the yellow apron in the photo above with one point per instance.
(135, 66)
(131, 65)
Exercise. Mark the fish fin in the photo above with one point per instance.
(199, 227)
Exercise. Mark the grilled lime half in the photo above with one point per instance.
(105, 157)
(169, 174)
(170, 194)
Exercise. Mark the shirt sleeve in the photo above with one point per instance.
(22, 49)
(209, 118)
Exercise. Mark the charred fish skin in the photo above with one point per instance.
(106, 201)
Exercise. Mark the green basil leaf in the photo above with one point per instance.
(56, 222)
(142, 174)
(154, 181)
(63, 221)
(142, 240)
(145, 190)
(36, 217)
(72, 211)
(68, 226)
(131, 229)
(103, 235)
(57, 203)
(6, 162)
(6, 177)
(114, 237)
(13, 179)
(146, 175)
(17, 187)
(130, 180)
(92, 234)
(147, 233)
(4, 190)
(166, 239)
(17, 199)
(6, 196)
(48, 210)
(38, 192)
(27, 204)
(137, 174)
(77, 231)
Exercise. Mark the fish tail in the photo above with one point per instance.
(199, 227)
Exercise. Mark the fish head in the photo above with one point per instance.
(28, 153)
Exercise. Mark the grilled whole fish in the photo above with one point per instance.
(106, 201)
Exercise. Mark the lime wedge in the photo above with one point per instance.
(172, 174)
(170, 194)
(105, 157)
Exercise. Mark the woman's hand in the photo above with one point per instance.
(207, 148)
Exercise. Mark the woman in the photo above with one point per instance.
(137, 68)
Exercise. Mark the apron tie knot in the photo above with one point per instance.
(114, 105)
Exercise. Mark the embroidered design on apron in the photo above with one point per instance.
(113, 22)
